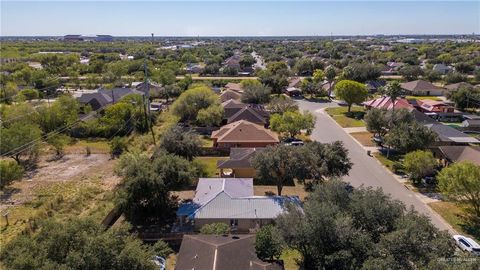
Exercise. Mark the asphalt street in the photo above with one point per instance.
(366, 171)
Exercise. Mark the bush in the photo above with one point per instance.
(215, 228)
(9, 171)
(117, 146)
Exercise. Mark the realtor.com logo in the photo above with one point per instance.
(455, 259)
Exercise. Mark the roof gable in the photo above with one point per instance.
(244, 131)
(247, 114)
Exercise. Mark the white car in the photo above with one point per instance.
(467, 244)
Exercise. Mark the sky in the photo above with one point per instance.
(237, 18)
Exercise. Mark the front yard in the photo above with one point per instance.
(345, 119)
(457, 215)
(364, 137)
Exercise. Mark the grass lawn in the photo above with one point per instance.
(457, 216)
(290, 258)
(364, 137)
(424, 97)
(297, 190)
(339, 114)
(206, 141)
(388, 162)
(210, 164)
(97, 146)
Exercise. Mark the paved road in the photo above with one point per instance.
(366, 170)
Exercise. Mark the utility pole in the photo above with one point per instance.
(146, 101)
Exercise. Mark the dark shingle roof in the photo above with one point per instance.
(248, 114)
(461, 153)
(220, 252)
(239, 158)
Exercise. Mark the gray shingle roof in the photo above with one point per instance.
(239, 158)
(448, 134)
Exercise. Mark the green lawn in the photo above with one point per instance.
(206, 141)
(210, 165)
(457, 216)
(346, 120)
(390, 161)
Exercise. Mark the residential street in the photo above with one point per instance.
(366, 170)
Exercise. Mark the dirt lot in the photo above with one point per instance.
(69, 168)
(75, 185)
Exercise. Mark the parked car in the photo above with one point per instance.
(467, 244)
(293, 142)
(342, 103)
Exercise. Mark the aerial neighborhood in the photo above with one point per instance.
(224, 152)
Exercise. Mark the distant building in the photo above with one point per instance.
(442, 68)
(104, 97)
(73, 38)
(104, 38)
(455, 86)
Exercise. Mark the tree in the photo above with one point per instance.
(61, 113)
(177, 171)
(215, 228)
(433, 76)
(455, 77)
(376, 122)
(292, 122)
(318, 76)
(117, 146)
(29, 94)
(323, 160)
(144, 197)
(268, 243)
(77, 244)
(282, 104)
(341, 228)
(20, 140)
(407, 137)
(351, 92)
(361, 72)
(192, 101)
(411, 73)
(330, 74)
(8, 92)
(419, 164)
(257, 94)
(58, 142)
(275, 76)
(393, 90)
(303, 67)
(181, 143)
(211, 116)
(10, 171)
(166, 77)
(461, 182)
(246, 61)
(277, 164)
(462, 97)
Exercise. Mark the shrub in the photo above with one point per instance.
(215, 228)
(9, 171)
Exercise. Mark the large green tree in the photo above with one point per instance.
(292, 122)
(20, 140)
(351, 92)
(79, 244)
(268, 243)
(190, 102)
(361, 229)
(180, 142)
(419, 164)
(407, 137)
(461, 182)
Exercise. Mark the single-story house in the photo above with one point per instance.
(232, 201)
(244, 134)
(392, 68)
(450, 136)
(151, 86)
(442, 68)
(386, 103)
(239, 162)
(438, 110)
(234, 87)
(212, 252)
(103, 97)
(235, 110)
(458, 153)
(374, 86)
(471, 125)
(227, 95)
(422, 88)
(455, 86)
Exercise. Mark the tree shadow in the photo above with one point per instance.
(7, 193)
(471, 224)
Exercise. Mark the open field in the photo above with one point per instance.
(339, 114)
(364, 137)
(72, 186)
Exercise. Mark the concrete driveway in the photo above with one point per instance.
(366, 171)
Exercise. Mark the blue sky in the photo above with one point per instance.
(244, 18)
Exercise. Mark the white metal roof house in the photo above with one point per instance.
(231, 201)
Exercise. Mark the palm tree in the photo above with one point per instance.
(330, 74)
(393, 90)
